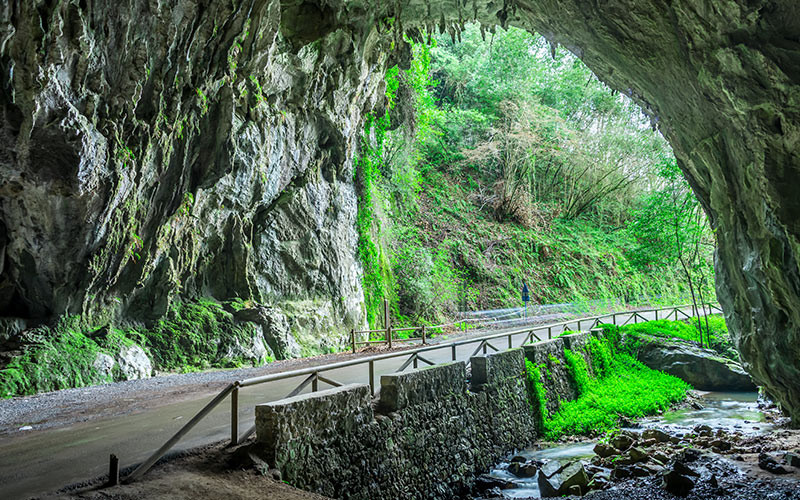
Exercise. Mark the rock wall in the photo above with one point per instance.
(555, 375)
(152, 149)
(426, 437)
(155, 150)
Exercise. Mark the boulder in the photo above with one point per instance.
(250, 348)
(104, 364)
(564, 480)
(528, 469)
(704, 369)
(485, 482)
(605, 450)
(657, 434)
(637, 454)
(792, 459)
(622, 442)
(677, 483)
(134, 363)
(769, 464)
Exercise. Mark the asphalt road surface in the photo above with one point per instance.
(44, 459)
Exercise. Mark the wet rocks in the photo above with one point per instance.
(676, 481)
(769, 464)
(485, 484)
(523, 469)
(622, 441)
(605, 450)
(557, 479)
(657, 434)
(792, 458)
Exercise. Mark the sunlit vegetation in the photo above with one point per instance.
(617, 386)
(498, 162)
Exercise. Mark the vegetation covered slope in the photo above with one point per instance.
(500, 163)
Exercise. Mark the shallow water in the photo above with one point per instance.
(731, 410)
(528, 487)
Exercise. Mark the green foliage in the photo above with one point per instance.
(537, 390)
(576, 364)
(191, 337)
(632, 390)
(602, 356)
(620, 386)
(716, 335)
(60, 360)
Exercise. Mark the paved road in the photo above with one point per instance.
(37, 462)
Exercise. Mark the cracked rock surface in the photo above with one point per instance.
(205, 148)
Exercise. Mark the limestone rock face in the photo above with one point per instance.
(155, 149)
(166, 149)
(704, 369)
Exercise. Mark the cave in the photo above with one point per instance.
(206, 148)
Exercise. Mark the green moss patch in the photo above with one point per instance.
(714, 332)
(193, 336)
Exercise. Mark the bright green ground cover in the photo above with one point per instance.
(715, 336)
(621, 387)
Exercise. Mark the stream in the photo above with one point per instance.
(728, 410)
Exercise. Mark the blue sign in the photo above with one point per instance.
(525, 295)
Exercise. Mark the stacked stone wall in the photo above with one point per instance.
(429, 434)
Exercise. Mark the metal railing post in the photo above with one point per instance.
(353, 339)
(549, 332)
(656, 314)
(414, 357)
(454, 351)
(235, 415)
(510, 344)
(315, 382)
(387, 322)
(372, 376)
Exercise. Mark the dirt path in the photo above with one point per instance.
(204, 473)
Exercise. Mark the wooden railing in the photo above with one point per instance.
(314, 375)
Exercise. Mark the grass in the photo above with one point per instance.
(621, 387)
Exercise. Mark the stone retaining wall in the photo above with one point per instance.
(428, 436)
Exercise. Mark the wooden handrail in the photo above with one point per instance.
(313, 372)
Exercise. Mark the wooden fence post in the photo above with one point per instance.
(353, 339)
(423, 334)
